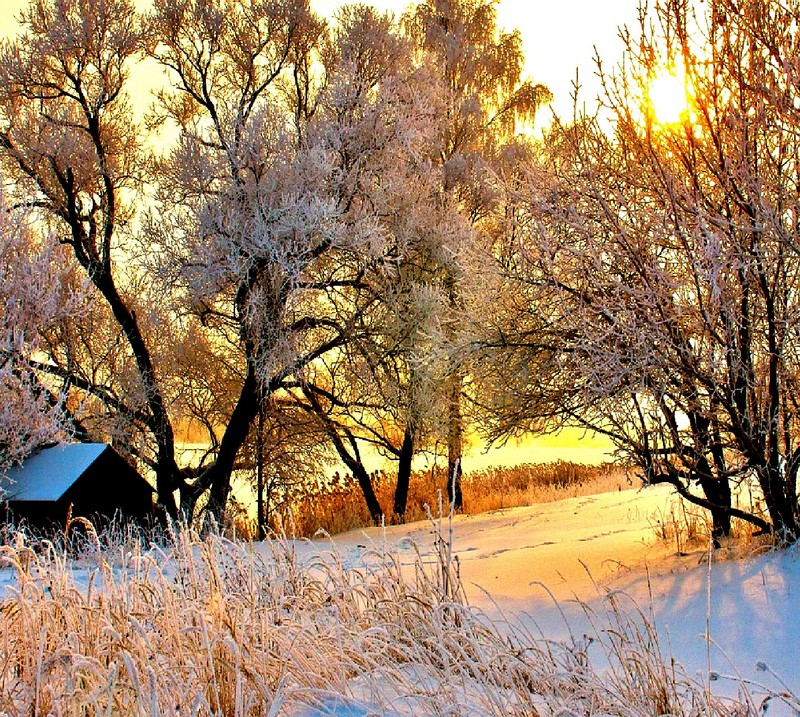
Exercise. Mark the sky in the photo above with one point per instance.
(558, 37)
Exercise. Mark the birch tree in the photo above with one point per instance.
(486, 99)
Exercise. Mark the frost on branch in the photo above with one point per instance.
(36, 293)
(666, 258)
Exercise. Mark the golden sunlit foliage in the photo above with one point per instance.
(335, 505)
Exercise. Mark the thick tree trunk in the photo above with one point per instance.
(781, 508)
(403, 475)
(672, 480)
(219, 473)
(167, 472)
(455, 420)
(261, 513)
(166, 482)
(718, 494)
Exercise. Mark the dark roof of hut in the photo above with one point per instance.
(48, 474)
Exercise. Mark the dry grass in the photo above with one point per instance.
(527, 484)
(688, 527)
(337, 505)
(208, 626)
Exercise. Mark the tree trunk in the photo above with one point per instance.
(403, 475)
(218, 475)
(781, 508)
(455, 431)
(166, 482)
(260, 522)
(718, 494)
(365, 482)
(352, 461)
(356, 467)
(455, 421)
(672, 480)
(167, 472)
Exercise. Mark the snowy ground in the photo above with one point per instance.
(549, 570)
(551, 565)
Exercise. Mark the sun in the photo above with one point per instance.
(669, 96)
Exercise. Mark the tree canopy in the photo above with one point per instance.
(655, 265)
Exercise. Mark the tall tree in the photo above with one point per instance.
(67, 137)
(382, 393)
(276, 202)
(486, 100)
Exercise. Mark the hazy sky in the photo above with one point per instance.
(559, 35)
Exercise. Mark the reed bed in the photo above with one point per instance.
(337, 505)
(204, 625)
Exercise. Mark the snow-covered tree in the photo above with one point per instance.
(279, 209)
(68, 141)
(37, 292)
(485, 101)
(277, 203)
(399, 389)
(660, 265)
(355, 391)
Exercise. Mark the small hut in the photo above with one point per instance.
(91, 478)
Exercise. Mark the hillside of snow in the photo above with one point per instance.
(552, 568)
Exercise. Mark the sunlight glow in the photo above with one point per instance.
(669, 96)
